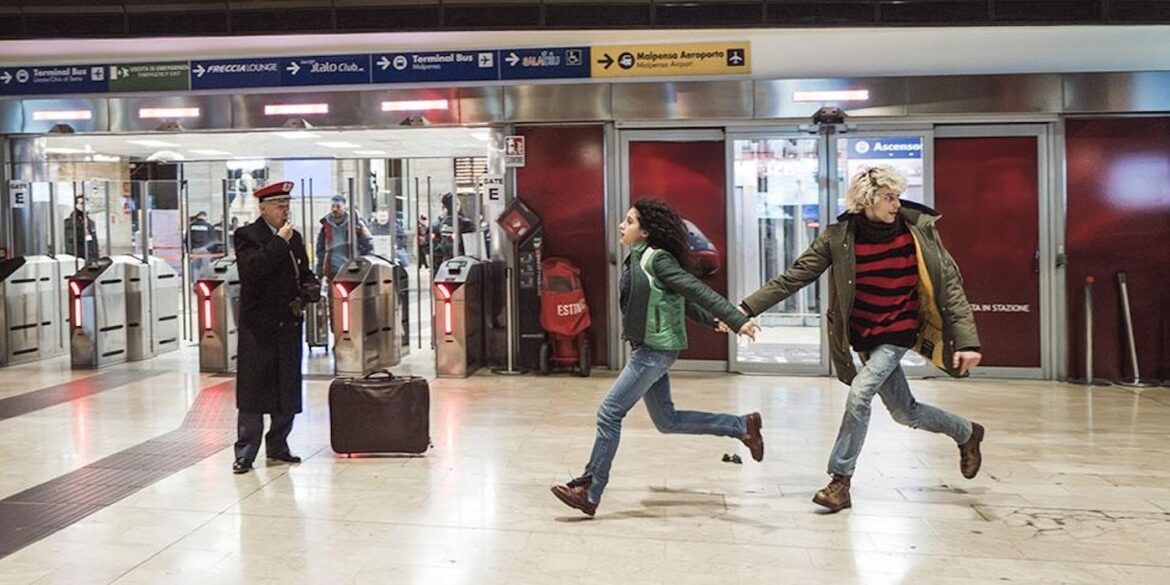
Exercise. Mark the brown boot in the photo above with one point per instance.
(835, 496)
(970, 458)
(575, 494)
(754, 440)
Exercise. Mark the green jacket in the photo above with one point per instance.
(659, 303)
(944, 316)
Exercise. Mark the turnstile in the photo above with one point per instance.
(218, 295)
(97, 313)
(33, 308)
(366, 324)
(152, 309)
(458, 301)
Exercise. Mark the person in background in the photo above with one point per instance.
(81, 232)
(333, 238)
(422, 234)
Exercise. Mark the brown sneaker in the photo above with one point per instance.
(835, 496)
(970, 458)
(575, 494)
(754, 440)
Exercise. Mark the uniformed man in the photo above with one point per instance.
(275, 285)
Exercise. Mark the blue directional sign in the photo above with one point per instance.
(553, 63)
(326, 70)
(53, 79)
(436, 66)
(233, 73)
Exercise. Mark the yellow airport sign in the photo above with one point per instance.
(674, 60)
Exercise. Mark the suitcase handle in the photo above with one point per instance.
(386, 371)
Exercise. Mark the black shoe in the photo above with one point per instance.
(285, 457)
(241, 466)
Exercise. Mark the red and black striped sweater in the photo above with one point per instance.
(885, 305)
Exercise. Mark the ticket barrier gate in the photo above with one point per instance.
(459, 306)
(152, 309)
(218, 295)
(366, 324)
(34, 321)
(97, 313)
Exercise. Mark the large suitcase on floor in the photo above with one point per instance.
(380, 413)
(317, 324)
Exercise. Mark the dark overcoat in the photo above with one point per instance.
(272, 273)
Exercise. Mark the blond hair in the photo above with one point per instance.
(865, 186)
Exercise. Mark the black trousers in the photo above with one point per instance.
(250, 427)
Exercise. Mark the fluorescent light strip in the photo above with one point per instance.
(845, 95)
(415, 105)
(209, 152)
(152, 143)
(295, 109)
(369, 152)
(54, 115)
(297, 135)
(339, 145)
(167, 113)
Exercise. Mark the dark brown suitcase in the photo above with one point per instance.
(380, 413)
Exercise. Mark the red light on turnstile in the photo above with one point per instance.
(448, 312)
(343, 296)
(204, 288)
(75, 289)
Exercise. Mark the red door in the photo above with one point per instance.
(691, 176)
(987, 190)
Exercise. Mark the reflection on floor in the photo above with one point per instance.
(1075, 489)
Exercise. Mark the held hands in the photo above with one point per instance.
(749, 329)
(285, 231)
(965, 361)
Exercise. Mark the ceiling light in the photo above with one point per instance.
(295, 109)
(152, 143)
(106, 158)
(246, 164)
(209, 152)
(369, 152)
(415, 105)
(46, 115)
(297, 135)
(63, 150)
(339, 145)
(843, 95)
(156, 113)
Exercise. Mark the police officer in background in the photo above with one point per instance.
(275, 285)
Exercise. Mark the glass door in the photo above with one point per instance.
(785, 187)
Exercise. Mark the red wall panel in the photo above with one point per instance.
(691, 177)
(1119, 220)
(563, 181)
(987, 190)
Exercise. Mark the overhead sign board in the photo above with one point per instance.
(674, 60)
(325, 70)
(435, 66)
(557, 63)
(52, 79)
(173, 76)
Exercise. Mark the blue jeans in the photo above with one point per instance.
(645, 376)
(882, 375)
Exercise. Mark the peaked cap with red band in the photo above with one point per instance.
(274, 192)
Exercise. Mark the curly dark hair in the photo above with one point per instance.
(665, 228)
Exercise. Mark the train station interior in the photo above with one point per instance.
(461, 187)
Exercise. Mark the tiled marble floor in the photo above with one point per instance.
(1075, 489)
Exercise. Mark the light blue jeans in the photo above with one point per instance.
(882, 374)
(645, 377)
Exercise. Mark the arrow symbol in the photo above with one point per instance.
(384, 63)
(199, 70)
(293, 68)
(7, 77)
(607, 62)
(513, 59)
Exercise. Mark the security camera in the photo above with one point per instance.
(829, 115)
